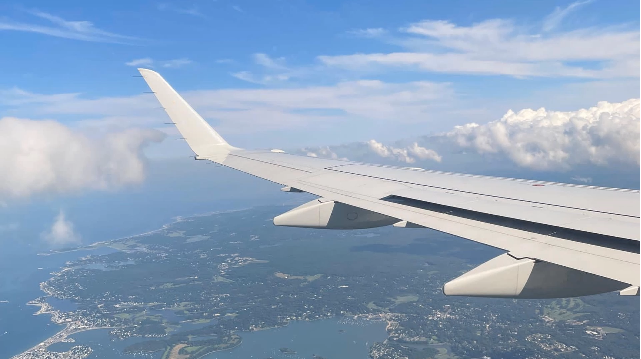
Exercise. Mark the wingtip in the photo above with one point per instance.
(143, 70)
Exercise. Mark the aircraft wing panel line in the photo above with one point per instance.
(605, 212)
(613, 264)
(610, 263)
(484, 194)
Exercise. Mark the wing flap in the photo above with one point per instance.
(593, 222)
(623, 202)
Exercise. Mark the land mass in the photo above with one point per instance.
(229, 273)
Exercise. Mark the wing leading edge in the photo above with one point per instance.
(562, 240)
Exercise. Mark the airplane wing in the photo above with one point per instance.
(562, 240)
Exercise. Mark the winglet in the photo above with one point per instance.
(201, 137)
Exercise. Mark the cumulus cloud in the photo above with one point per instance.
(324, 152)
(607, 134)
(61, 232)
(48, 157)
(373, 151)
(408, 154)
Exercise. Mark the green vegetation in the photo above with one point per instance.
(400, 299)
(565, 309)
(231, 284)
(181, 345)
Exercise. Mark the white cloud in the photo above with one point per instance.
(47, 157)
(407, 155)
(554, 19)
(424, 153)
(498, 46)
(582, 179)
(61, 232)
(193, 11)
(373, 151)
(237, 8)
(176, 63)
(276, 70)
(268, 62)
(59, 27)
(345, 102)
(324, 152)
(261, 80)
(370, 32)
(605, 135)
(149, 62)
(146, 61)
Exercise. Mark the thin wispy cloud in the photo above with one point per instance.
(237, 8)
(58, 27)
(502, 47)
(149, 62)
(248, 109)
(141, 62)
(272, 71)
(556, 17)
(176, 63)
(270, 63)
(369, 32)
(192, 11)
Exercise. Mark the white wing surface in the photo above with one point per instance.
(561, 239)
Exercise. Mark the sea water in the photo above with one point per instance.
(335, 338)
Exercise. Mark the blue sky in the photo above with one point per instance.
(375, 81)
(72, 48)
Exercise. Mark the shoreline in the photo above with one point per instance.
(46, 308)
(72, 328)
(174, 220)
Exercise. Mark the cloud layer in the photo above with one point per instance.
(48, 157)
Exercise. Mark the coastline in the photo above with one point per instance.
(40, 350)
(174, 220)
(74, 327)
